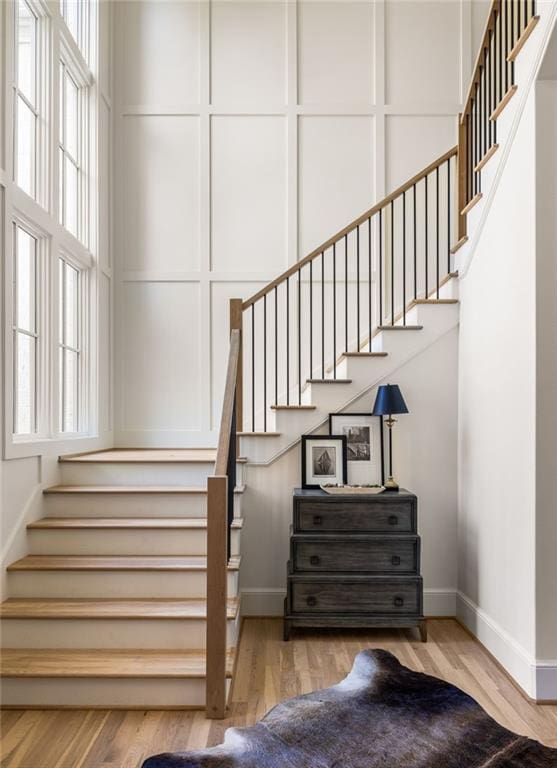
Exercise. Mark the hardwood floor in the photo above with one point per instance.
(268, 671)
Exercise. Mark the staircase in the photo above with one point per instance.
(129, 595)
(109, 607)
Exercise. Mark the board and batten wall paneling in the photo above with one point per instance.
(247, 133)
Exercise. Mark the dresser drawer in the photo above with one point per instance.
(384, 597)
(363, 516)
(363, 554)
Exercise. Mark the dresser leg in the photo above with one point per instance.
(422, 626)
(286, 631)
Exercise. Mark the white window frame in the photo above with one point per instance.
(41, 108)
(41, 330)
(41, 219)
(73, 64)
(82, 349)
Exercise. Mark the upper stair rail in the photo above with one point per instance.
(509, 24)
(335, 299)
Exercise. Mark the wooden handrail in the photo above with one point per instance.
(219, 486)
(350, 227)
(223, 445)
(488, 29)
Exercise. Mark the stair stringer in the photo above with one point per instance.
(364, 374)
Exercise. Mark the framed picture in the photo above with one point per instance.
(323, 460)
(364, 446)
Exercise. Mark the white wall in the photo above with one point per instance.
(247, 132)
(22, 479)
(497, 411)
(546, 372)
(424, 461)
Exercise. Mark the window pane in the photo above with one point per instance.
(25, 147)
(70, 196)
(61, 186)
(71, 116)
(71, 15)
(70, 406)
(71, 305)
(25, 280)
(26, 31)
(25, 384)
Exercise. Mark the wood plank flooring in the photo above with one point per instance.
(268, 671)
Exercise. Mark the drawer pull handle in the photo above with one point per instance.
(315, 560)
(393, 520)
(311, 601)
(399, 602)
(317, 520)
(395, 560)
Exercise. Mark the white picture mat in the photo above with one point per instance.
(318, 479)
(360, 472)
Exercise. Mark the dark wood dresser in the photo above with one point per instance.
(354, 562)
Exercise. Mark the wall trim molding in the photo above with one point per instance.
(537, 678)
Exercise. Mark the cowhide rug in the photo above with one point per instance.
(381, 716)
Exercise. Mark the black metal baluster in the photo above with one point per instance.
(253, 367)
(437, 231)
(404, 258)
(448, 216)
(264, 362)
(481, 145)
(358, 288)
(499, 55)
(287, 341)
(334, 310)
(511, 63)
(311, 319)
(369, 281)
(276, 346)
(415, 243)
(426, 271)
(346, 293)
(380, 266)
(299, 338)
(505, 10)
(392, 263)
(323, 314)
(489, 68)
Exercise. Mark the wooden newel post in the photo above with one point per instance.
(236, 323)
(217, 561)
(462, 176)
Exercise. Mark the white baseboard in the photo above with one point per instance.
(546, 680)
(270, 602)
(537, 678)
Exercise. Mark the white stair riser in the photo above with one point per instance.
(109, 693)
(326, 396)
(113, 584)
(164, 634)
(122, 542)
(194, 474)
(130, 505)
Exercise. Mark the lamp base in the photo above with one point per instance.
(391, 484)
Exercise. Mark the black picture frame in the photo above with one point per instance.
(381, 437)
(311, 438)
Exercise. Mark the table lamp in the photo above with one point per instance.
(389, 400)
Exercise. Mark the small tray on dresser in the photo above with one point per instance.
(354, 561)
(352, 490)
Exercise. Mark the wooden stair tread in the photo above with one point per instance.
(365, 354)
(105, 663)
(293, 407)
(115, 563)
(259, 434)
(132, 489)
(329, 381)
(436, 301)
(127, 523)
(144, 456)
(93, 608)
(400, 327)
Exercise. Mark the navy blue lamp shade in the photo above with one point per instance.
(389, 400)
